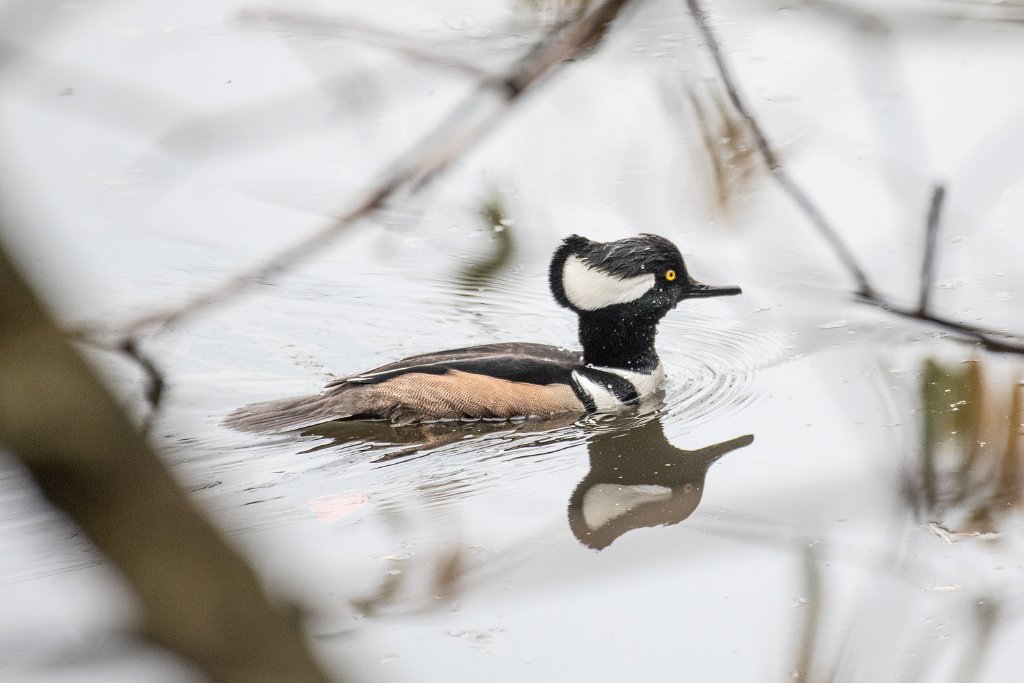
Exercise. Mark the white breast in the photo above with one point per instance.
(605, 400)
(644, 383)
(602, 398)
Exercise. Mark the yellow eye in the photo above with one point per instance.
(670, 275)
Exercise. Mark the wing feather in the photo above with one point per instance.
(517, 362)
(496, 381)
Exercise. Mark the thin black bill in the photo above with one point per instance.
(699, 289)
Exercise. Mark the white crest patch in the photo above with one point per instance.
(589, 289)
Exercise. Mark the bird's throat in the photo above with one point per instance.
(614, 338)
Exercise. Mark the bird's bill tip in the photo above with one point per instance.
(699, 289)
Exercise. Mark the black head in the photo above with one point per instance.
(645, 271)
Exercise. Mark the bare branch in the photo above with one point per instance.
(154, 377)
(155, 383)
(199, 597)
(928, 262)
(993, 341)
(459, 132)
(779, 173)
(154, 380)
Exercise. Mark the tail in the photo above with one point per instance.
(285, 414)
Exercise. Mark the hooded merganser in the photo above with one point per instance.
(620, 291)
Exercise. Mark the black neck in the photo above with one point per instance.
(619, 337)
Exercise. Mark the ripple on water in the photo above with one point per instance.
(276, 481)
(506, 458)
(711, 356)
(712, 362)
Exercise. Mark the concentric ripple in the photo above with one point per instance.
(711, 361)
(711, 353)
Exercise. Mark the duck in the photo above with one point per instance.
(619, 291)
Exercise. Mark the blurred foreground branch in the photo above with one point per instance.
(463, 128)
(199, 598)
(866, 292)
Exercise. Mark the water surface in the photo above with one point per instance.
(820, 488)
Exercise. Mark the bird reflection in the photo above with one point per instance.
(638, 479)
(422, 438)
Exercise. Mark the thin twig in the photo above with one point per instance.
(991, 340)
(196, 594)
(459, 132)
(155, 381)
(337, 27)
(930, 241)
(778, 171)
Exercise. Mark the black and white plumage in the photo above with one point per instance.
(619, 290)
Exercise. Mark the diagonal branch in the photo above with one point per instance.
(778, 171)
(450, 140)
(991, 340)
(999, 342)
(198, 596)
(154, 379)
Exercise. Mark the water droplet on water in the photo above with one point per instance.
(943, 588)
(396, 556)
